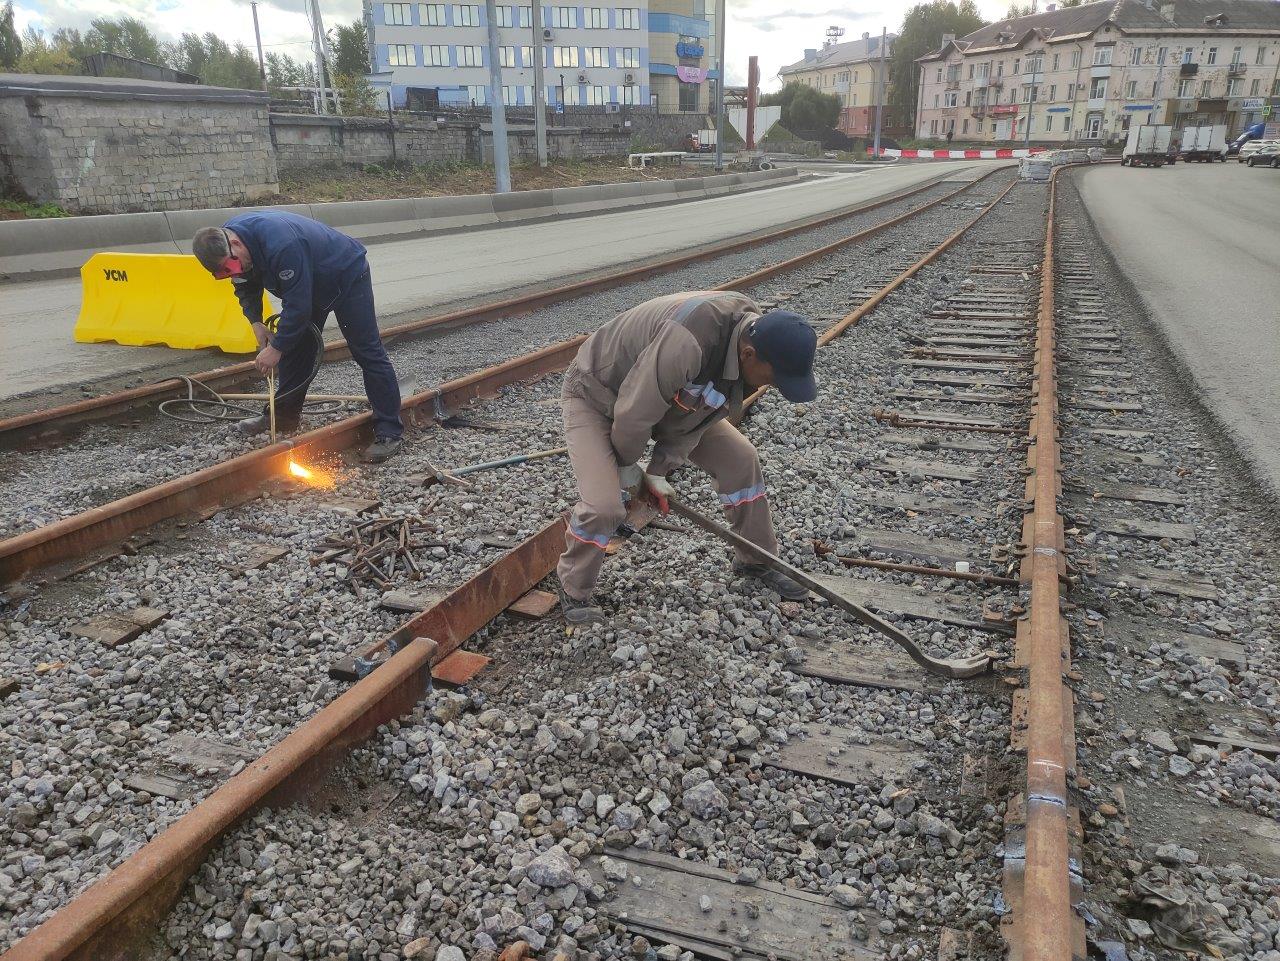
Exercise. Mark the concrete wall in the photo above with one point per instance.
(105, 145)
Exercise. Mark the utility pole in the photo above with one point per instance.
(539, 87)
(257, 36)
(720, 21)
(317, 48)
(497, 107)
(880, 88)
(753, 79)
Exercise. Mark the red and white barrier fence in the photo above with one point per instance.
(1001, 153)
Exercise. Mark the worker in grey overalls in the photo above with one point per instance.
(672, 370)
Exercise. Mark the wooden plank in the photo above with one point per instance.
(350, 506)
(1236, 740)
(1222, 649)
(963, 341)
(116, 628)
(959, 397)
(925, 440)
(176, 788)
(937, 505)
(459, 667)
(959, 380)
(663, 896)
(1134, 526)
(939, 469)
(1128, 457)
(877, 667)
(956, 365)
(252, 556)
(1112, 490)
(1117, 432)
(932, 606)
(1088, 403)
(1161, 581)
(939, 551)
(411, 601)
(947, 417)
(834, 754)
(204, 753)
(534, 605)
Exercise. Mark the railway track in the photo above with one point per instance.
(485, 774)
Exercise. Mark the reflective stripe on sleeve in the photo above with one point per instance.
(744, 496)
(596, 540)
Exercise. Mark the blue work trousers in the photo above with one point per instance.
(359, 325)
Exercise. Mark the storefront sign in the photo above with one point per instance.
(1004, 108)
(1140, 106)
(691, 74)
(1253, 103)
(689, 48)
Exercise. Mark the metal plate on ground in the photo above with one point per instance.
(937, 505)
(1112, 490)
(534, 605)
(877, 667)
(662, 898)
(115, 628)
(932, 606)
(939, 469)
(940, 551)
(252, 556)
(205, 753)
(350, 506)
(412, 601)
(834, 754)
(459, 667)
(1175, 583)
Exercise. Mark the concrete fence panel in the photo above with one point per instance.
(366, 219)
(64, 244)
(452, 213)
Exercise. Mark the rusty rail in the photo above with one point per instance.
(240, 478)
(1040, 875)
(48, 423)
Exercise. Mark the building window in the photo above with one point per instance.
(968, 98)
(502, 17)
(630, 93)
(1026, 93)
(1075, 58)
(933, 128)
(398, 14)
(507, 56)
(970, 71)
(984, 71)
(1237, 55)
(526, 18)
(628, 18)
(1213, 56)
(1056, 58)
(1048, 124)
(572, 95)
(939, 80)
(688, 97)
(595, 95)
(468, 55)
(1233, 87)
(949, 99)
(629, 57)
(564, 18)
(1016, 61)
(1098, 88)
(526, 56)
(401, 55)
(1053, 91)
(435, 55)
(564, 56)
(1135, 57)
(1187, 54)
(964, 126)
(596, 56)
(1275, 87)
(1035, 64)
(509, 96)
(1131, 90)
(1184, 89)
(1206, 88)
(595, 18)
(937, 100)
(466, 15)
(1161, 55)
(1102, 56)
(431, 14)
(1261, 55)
(1255, 88)
(477, 94)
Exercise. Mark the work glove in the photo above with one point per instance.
(658, 490)
(630, 478)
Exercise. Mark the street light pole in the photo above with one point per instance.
(880, 88)
(539, 88)
(257, 36)
(497, 106)
(720, 21)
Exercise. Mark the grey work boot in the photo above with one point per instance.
(252, 426)
(382, 449)
(580, 613)
(775, 581)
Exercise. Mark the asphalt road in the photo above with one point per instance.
(37, 317)
(1201, 245)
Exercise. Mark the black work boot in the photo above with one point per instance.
(252, 426)
(383, 448)
(580, 613)
(776, 581)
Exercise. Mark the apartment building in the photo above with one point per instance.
(1086, 73)
(635, 52)
(852, 71)
(430, 55)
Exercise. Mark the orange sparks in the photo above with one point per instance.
(311, 476)
(297, 470)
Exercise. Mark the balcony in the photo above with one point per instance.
(997, 82)
(953, 84)
(1235, 70)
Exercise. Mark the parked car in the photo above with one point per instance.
(1252, 147)
(1268, 156)
(1253, 132)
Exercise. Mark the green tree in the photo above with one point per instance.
(10, 42)
(214, 61)
(804, 108)
(41, 54)
(283, 71)
(1017, 10)
(921, 33)
(350, 44)
(126, 36)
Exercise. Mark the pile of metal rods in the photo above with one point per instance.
(376, 549)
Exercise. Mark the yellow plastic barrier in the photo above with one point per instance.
(141, 299)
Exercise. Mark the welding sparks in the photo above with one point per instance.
(310, 476)
(297, 470)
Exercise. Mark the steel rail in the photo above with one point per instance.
(112, 918)
(50, 422)
(1038, 871)
(239, 479)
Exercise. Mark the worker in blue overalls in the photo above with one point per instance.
(314, 270)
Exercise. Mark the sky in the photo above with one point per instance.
(754, 26)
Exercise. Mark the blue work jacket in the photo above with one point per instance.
(306, 264)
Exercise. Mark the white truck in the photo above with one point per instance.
(1205, 143)
(1147, 145)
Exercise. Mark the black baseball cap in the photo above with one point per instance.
(787, 343)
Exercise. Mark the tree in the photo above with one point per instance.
(1017, 10)
(921, 33)
(41, 54)
(126, 36)
(10, 42)
(283, 71)
(804, 108)
(215, 62)
(350, 45)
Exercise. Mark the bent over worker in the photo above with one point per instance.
(672, 370)
(314, 270)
